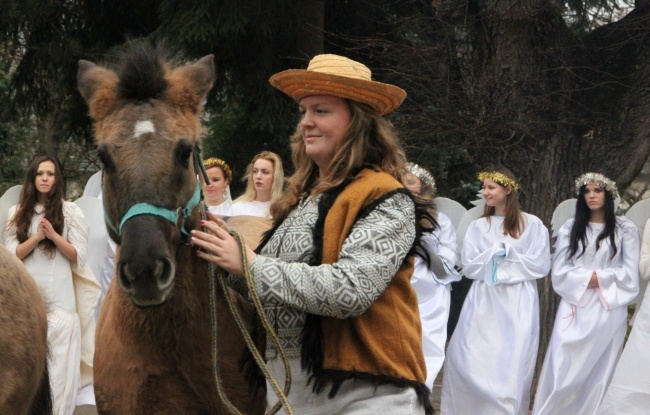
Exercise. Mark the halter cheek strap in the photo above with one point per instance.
(177, 217)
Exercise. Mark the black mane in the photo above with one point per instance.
(141, 72)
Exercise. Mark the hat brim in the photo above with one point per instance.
(300, 83)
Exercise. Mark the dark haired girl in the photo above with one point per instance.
(50, 236)
(595, 271)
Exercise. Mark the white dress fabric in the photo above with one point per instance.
(629, 392)
(72, 293)
(252, 208)
(590, 324)
(491, 355)
(434, 294)
(224, 209)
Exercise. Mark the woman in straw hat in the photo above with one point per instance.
(334, 272)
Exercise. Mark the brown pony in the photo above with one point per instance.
(23, 341)
(153, 343)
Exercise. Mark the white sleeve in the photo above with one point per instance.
(618, 284)
(644, 260)
(570, 280)
(446, 238)
(78, 231)
(533, 262)
(476, 259)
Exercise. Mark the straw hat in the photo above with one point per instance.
(341, 77)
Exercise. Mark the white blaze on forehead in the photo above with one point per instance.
(143, 127)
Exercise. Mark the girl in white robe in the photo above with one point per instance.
(491, 355)
(69, 286)
(629, 392)
(432, 282)
(216, 195)
(265, 181)
(597, 277)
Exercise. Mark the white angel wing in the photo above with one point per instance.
(454, 210)
(10, 198)
(639, 213)
(562, 213)
(97, 238)
(94, 185)
(469, 217)
(480, 201)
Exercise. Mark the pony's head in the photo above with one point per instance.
(146, 119)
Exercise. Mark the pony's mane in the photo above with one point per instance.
(141, 73)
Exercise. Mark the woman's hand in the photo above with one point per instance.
(220, 247)
(47, 230)
(593, 281)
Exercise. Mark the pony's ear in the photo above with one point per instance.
(97, 86)
(196, 79)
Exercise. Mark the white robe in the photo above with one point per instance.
(491, 355)
(71, 293)
(252, 208)
(224, 209)
(590, 324)
(434, 294)
(629, 392)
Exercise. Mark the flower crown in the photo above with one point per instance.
(598, 179)
(499, 178)
(216, 162)
(423, 174)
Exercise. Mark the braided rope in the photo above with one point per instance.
(283, 402)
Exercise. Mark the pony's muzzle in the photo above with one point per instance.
(147, 282)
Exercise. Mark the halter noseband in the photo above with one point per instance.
(177, 217)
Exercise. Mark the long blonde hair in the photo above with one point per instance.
(370, 140)
(513, 223)
(278, 177)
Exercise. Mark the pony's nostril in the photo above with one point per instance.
(164, 272)
(126, 281)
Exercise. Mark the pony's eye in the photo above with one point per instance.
(105, 158)
(183, 152)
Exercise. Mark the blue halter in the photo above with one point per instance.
(177, 217)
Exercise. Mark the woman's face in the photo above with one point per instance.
(325, 120)
(594, 197)
(412, 182)
(45, 177)
(214, 192)
(263, 176)
(495, 195)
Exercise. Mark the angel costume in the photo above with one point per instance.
(629, 392)
(434, 293)
(71, 292)
(223, 209)
(491, 355)
(590, 324)
(252, 208)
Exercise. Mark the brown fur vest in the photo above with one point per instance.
(384, 344)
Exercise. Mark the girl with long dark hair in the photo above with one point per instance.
(595, 271)
(491, 355)
(50, 236)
